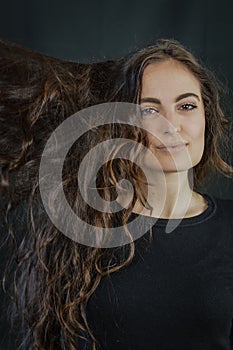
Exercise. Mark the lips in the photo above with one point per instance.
(174, 145)
(178, 147)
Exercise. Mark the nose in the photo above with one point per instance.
(170, 123)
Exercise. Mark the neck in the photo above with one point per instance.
(169, 196)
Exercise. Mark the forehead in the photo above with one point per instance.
(168, 77)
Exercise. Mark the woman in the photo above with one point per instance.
(161, 291)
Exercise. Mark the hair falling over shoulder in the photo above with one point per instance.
(49, 277)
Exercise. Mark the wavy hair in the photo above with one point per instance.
(217, 135)
(49, 276)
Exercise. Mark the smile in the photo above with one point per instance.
(175, 148)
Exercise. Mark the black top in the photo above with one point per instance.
(178, 291)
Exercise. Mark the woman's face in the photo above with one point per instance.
(173, 110)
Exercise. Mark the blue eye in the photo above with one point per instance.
(188, 106)
(148, 111)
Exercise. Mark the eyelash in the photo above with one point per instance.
(189, 104)
(146, 109)
(186, 105)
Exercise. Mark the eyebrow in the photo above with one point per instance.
(178, 98)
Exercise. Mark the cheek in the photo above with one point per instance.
(196, 130)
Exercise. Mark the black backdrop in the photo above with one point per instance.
(85, 31)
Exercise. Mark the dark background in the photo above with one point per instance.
(86, 31)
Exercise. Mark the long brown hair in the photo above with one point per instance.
(53, 277)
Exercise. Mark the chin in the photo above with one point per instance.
(174, 163)
(174, 166)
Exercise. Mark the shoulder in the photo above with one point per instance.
(224, 203)
(224, 209)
